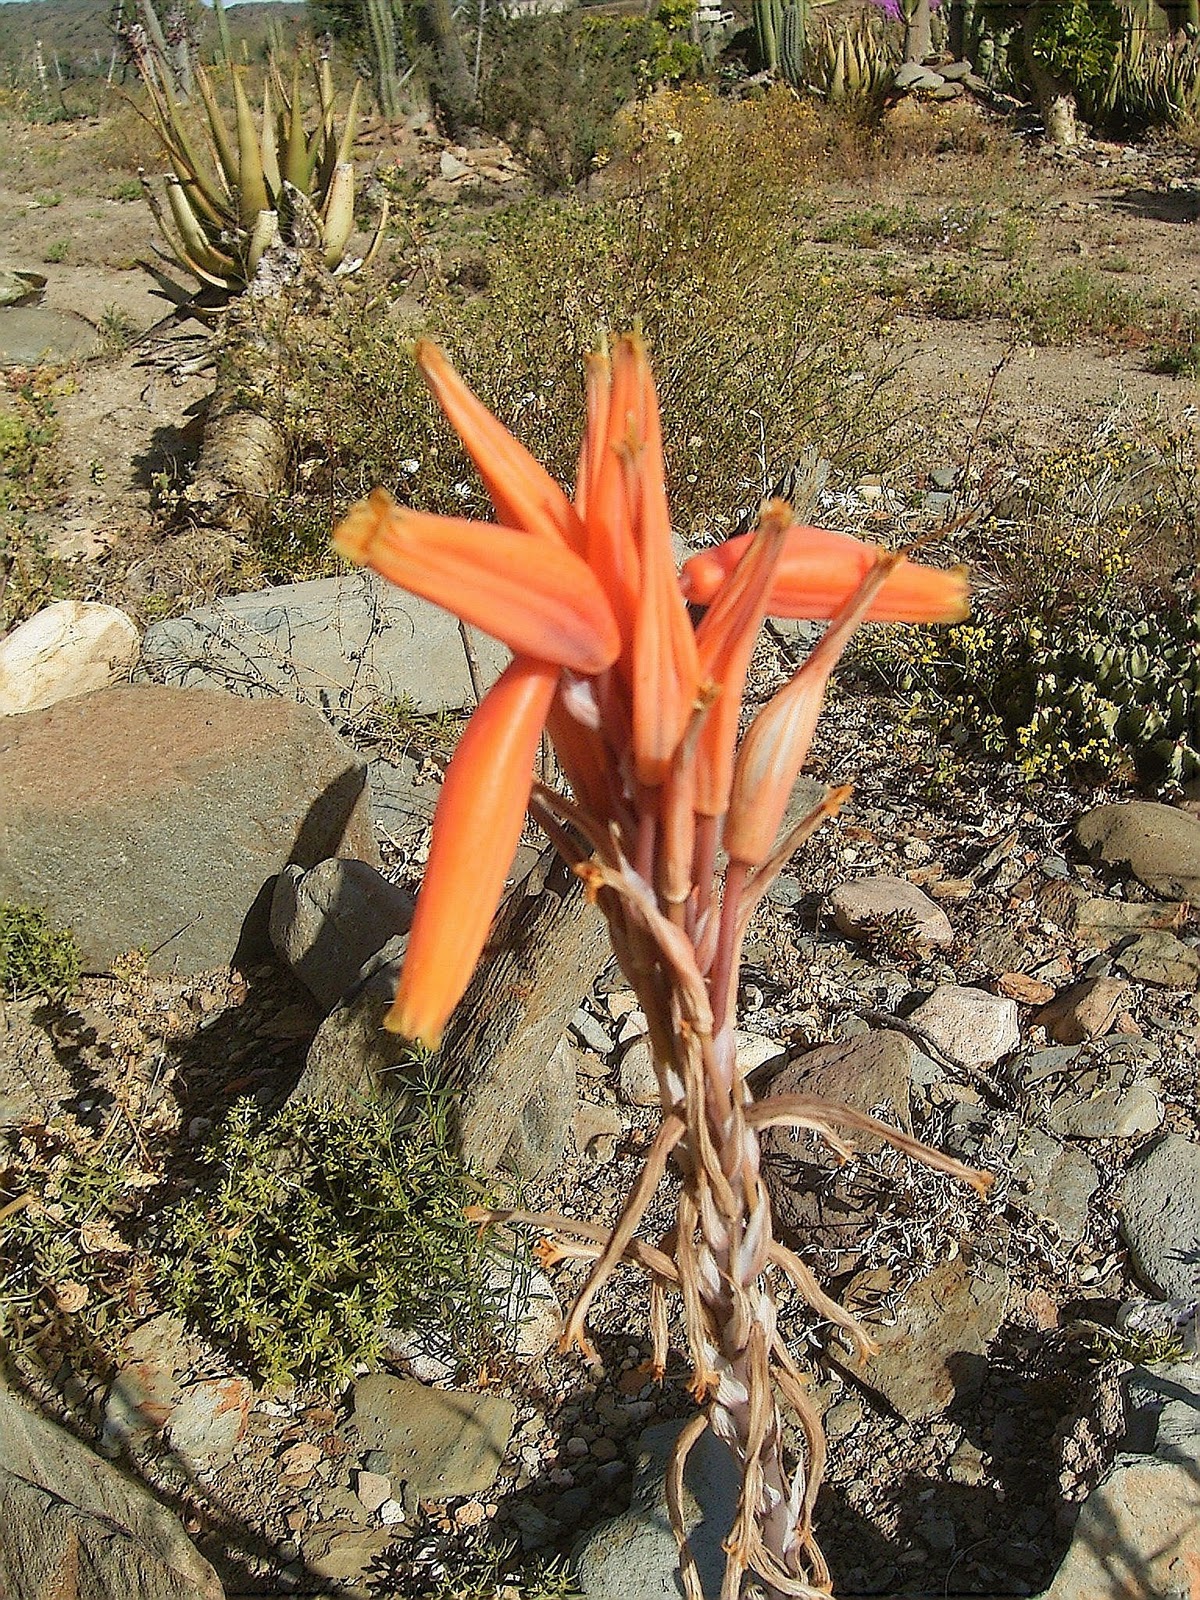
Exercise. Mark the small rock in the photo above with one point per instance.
(440, 1442)
(1087, 1010)
(1058, 1182)
(913, 76)
(862, 905)
(754, 1050)
(956, 71)
(1159, 844)
(1161, 959)
(299, 1460)
(392, 1512)
(328, 922)
(1025, 990)
(372, 1489)
(209, 1421)
(969, 1025)
(450, 167)
(637, 1084)
(933, 1352)
(69, 648)
(597, 1129)
(1159, 1209)
(1107, 1113)
(592, 1033)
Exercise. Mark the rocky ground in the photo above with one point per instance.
(952, 953)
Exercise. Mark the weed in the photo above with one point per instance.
(57, 251)
(315, 1229)
(35, 957)
(117, 330)
(762, 351)
(50, 200)
(30, 575)
(64, 1216)
(894, 937)
(127, 189)
(471, 1567)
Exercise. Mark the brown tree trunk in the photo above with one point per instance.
(1055, 101)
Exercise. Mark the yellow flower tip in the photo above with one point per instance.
(356, 534)
(402, 1019)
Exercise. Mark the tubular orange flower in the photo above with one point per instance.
(522, 491)
(820, 569)
(488, 781)
(530, 593)
(664, 646)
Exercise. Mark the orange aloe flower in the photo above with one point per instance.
(643, 710)
(641, 707)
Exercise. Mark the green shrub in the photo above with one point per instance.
(1082, 657)
(554, 85)
(35, 957)
(315, 1229)
(759, 349)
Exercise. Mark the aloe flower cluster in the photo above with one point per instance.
(644, 710)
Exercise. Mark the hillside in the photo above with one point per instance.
(80, 32)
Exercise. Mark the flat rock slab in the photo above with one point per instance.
(1159, 1206)
(69, 1518)
(1159, 844)
(1086, 1010)
(815, 1200)
(440, 1442)
(35, 336)
(1138, 1533)
(933, 1352)
(1159, 958)
(344, 643)
(154, 818)
(635, 1556)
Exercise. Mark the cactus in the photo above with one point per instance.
(1095, 692)
(793, 43)
(230, 202)
(768, 24)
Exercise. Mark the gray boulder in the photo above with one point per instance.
(344, 643)
(73, 1525)
(158, 818)
(1159, 844)
(636, 1554)
(439, 1442)
(1159, 1208)
(327, 923)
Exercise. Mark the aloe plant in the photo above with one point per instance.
(232, 197)
(850, 61)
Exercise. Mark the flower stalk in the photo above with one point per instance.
(644, 710)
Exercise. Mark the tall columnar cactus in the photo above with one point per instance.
(232, 196)
(793, 43)
(768, 24)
